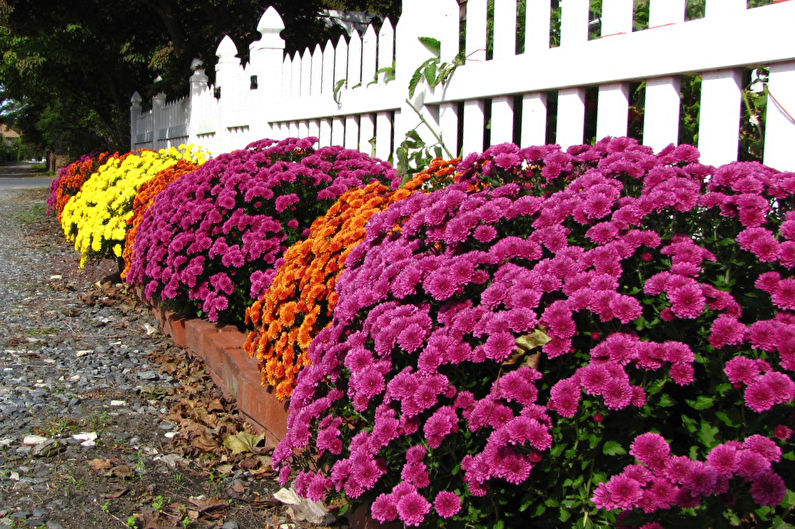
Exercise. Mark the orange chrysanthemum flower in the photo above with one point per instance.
(301, 300)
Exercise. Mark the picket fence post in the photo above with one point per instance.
(196, 110)
(420, 18)
(266, 57)
(135, 113)
(159, 125)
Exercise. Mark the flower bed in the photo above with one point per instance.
(210, 244)
(605, 340)
(601, 337)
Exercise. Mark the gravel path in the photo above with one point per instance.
(103, 421)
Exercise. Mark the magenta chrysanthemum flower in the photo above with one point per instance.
(447, 504)
(783, 295)
(768, 489)
(500, 346)
(782, 432)
(617, 394)
(440, 285)
(412, 337)
(682, 373)
(763, 446)
(412, 508)
(624, 491)
(751, 464)
(723, 458)
(759, 396)
(594, 378)
(726, 331)
(687, 302)
(650, 449)
(383, 508)
(741, 370)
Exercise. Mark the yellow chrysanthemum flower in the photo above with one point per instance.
(95, 219)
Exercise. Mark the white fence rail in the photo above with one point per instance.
(354, 92)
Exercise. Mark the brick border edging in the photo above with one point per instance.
(231, 368)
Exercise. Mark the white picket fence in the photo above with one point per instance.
(342, 93)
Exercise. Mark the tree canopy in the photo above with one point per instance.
(70, 66)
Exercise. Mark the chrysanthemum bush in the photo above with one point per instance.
(146, 198)
(301, 299)
(607, 339)
(210, 244)
(71, 178)
(96, 217)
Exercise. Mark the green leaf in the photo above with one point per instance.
(564, 515)
(725, 419)
(666, 401)
(701, 403)
(707, 434)
(432, 44)
(613, 448)
(430, 72)
(690, 424)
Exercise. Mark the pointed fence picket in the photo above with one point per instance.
(557, 83)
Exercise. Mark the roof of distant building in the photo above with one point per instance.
(7, 132)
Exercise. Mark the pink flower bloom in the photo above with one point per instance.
(759, 396)
(594, 378)
(764, 446)
(741, 370)
(447, 504)
(625, 308)
(687, 302)
(682, 373)
(499, 346)
(784, 294)
(768, 489)
(565, 397)
(723, 458)
(412, 337)
(751, 464)
(782, 432)
(768, 281)
(651, 449)
(617, 394)
(384, 508)
(726, 331)
(440, 285)
(624, 492)
(702, 479)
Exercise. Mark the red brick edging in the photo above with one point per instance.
(235, 373)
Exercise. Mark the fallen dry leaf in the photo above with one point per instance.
(100, 464)
(215, 405)
(208, 504)
(243, 442)
(117, 494)
(121, 471)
